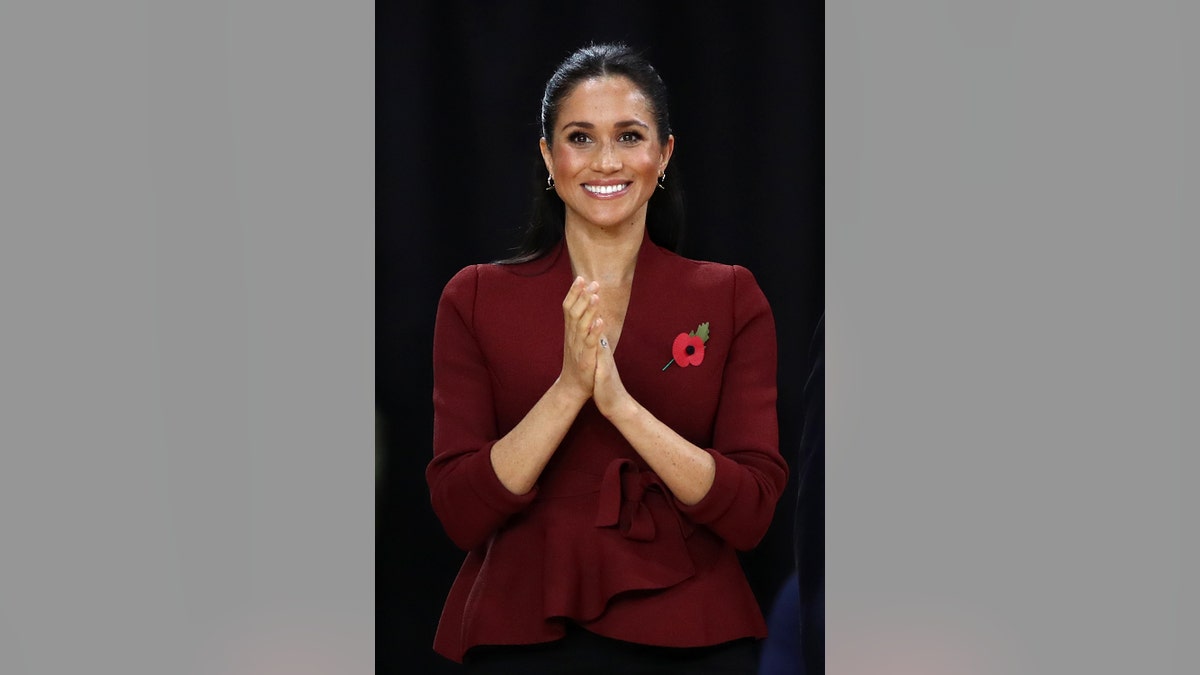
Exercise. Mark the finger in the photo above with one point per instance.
(594, 332)
(604, 359)
(578, 316)
(603, 343)
(573, 294)
(585, 297)
(583, 301)
(589, 315)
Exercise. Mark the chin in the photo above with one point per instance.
(612, 224)
(607, 221)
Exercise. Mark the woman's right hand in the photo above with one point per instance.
(581, 336)
(520, 455)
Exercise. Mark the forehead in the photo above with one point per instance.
(605, 99)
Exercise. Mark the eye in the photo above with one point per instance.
(629, 137)
(578, 138)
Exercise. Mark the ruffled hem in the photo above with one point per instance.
(576, 553)
(582, 574)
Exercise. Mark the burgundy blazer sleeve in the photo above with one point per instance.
(467, 495)
(750, 472)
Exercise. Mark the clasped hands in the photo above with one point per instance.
(588, 368)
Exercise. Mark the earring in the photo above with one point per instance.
(662, 177)
(549, 182)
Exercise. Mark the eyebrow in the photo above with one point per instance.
(620, 125)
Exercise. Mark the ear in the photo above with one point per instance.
(546, 156)
(668, 149)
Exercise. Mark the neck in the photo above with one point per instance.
(604, 255)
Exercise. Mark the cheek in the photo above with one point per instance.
(648, 163)
(651, 156)
(570, 162)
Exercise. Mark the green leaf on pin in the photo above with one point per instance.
(701, 332)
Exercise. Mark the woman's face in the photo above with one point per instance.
(605, 156)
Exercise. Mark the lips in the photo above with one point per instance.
(606, 190)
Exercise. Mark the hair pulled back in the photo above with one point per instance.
(664, 211)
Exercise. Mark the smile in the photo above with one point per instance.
(605, 189)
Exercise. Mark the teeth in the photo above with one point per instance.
(605, 189)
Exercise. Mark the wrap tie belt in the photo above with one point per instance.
(623, 493)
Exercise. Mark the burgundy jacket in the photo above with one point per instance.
(600, 540)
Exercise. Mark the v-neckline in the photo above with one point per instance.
(634, 295)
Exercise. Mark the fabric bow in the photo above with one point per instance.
(622, 501)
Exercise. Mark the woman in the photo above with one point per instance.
(602, 478)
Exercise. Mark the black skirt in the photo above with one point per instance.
(583, 653)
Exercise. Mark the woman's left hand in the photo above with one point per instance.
(609, 393)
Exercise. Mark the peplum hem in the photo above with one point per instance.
(635, 542)
(486, 607)
(596, 544)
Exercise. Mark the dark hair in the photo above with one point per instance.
(664, 211)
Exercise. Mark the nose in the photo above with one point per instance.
(607, 159)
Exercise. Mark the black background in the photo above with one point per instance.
(458, 88)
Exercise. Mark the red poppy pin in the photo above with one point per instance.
(688, 348)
